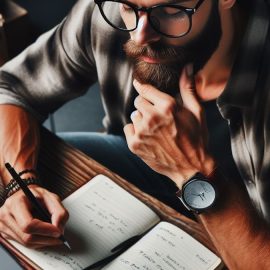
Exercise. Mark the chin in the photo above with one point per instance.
(163, 77)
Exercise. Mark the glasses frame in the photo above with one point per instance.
(189, 11)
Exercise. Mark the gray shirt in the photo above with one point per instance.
(64, 62)
(83, 49)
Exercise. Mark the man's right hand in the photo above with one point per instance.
(18, 223)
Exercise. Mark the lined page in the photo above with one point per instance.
(166, 247)
(102, 215)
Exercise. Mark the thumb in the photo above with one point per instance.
(188, 91)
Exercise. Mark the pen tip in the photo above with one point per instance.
(67, 245)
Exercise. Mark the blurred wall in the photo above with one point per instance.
(44, 14)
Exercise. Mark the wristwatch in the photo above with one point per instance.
(197, 194)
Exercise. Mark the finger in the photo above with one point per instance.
(28, 239)
(148, 119)
(136, 118)
(129, 131)
(38, 227)
(37, 241)
(188, 92)
(28, 224)
(139, 124)
(143, 105)
(59, 214)
(152, 95)
(11, 230)
(6, 236)
(131, 138)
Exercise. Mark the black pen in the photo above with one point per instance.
(117, 250)
(43, 213)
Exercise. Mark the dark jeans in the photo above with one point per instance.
(112, 152)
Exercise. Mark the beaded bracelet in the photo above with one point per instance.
(12, 182)
(28, 171)
(13, 186)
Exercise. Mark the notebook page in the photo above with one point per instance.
(102, 215)
(166, 247)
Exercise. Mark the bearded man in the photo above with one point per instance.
(186, 81)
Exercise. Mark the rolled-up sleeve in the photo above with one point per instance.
(58, 67)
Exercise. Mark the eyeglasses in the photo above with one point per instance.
(170, 20)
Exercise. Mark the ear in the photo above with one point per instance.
(226, 4)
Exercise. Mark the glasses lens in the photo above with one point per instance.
(120, 15)
(171, 21)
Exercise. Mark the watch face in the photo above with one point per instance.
(199, 194)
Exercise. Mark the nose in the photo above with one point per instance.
(144, 34)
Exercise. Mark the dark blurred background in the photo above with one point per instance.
(84, 113)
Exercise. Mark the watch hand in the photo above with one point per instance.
(201, 197)
(205, 190)
(194, 194)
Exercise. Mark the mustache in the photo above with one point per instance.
(155, 50)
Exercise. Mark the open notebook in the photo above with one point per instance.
(102, 215)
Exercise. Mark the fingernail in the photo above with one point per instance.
(189, 69)
(135, 83)
(133, 114)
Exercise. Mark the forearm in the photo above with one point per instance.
(239, 234)
(19, 139)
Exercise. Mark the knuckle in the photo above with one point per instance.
(25, 226)
(168, 106)
(8, 203)
(55, 197)
(4, 213)
(21, 200)
(151, 120)
(27, 240)
(63, 214)
(134, 146)
(140, 135)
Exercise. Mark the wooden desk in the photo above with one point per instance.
(64, 169)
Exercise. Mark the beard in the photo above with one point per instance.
(165, 75)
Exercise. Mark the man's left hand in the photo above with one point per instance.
(170, 138)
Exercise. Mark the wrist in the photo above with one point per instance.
(13, 186)
(23, 171)
(207, 169)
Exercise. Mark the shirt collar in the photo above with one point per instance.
(241, 85)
